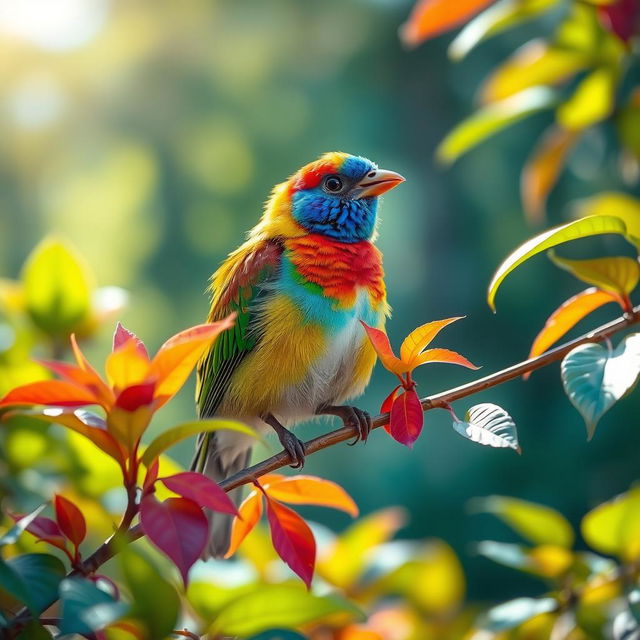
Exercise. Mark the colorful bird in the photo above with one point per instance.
(307, 274)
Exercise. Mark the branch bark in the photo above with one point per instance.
(440, 400)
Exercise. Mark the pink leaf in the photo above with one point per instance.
(203, 491)
(122, 336)
(407, 418)
(44, 529)
(292, 539)
(177, 527)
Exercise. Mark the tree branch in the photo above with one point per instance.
(440, 400)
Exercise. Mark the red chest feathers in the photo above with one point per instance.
(339, 268)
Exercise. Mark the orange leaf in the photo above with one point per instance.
(380, 342)
(178, 356)
(419, 338)
(49, 392)
(97, 383)
(311, 490)
(430, 18)
(567, 315)
(542, 169)
(249, 512)
(292, 539)
(444, 355)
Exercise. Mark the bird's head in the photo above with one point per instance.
(336, 196)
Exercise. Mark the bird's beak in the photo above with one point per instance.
(376, 183)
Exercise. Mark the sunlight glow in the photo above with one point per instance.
(58, 25)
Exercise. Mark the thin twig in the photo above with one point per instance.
(440, 400)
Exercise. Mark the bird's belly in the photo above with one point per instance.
(333, 375)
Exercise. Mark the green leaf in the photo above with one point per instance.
(613, 527)
(187, 430)
(33, 579)
(11, 536)
(534, 522)
(79, 598)
(498, 17)
(280, 605)
(57, 287)
(583, 228)
(615, 274)
(491, 119)
(515, 612)
(154, 601)
(34, 631)
(490, 425)
(595, 378)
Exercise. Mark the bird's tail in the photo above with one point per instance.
(218, 463)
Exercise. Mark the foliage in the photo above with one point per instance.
(583, 71)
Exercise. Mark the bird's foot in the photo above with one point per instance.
(351, 417)
(291, 444)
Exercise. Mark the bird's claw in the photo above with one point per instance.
(351, 417)
(294, 447)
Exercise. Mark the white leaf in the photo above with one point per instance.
(515, 612)
(595, 378)
(490, 425)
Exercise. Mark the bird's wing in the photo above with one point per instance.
(239, 285)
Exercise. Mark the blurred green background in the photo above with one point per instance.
(149, 134)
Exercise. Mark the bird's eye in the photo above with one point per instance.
(332, 184)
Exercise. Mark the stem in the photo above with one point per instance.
(440, 400)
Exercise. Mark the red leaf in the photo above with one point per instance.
(49, 392)
(70, 520)
(44, 529)
(203, 491)
(121, 336)
(429, 18)
(621, 17)
(136, 396)
(407, 418)
(292, 539)
(177, 527)
(386, 405)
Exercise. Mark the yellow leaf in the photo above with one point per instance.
(614, 526)
(126, 367)
(615, 274)
(592, 101)
(535, 63)
(491, 119)
(537, 523)
(419, 339)
(434, 563)
(543, 167)
(343, 563)
(583, 228)
(617, 204)
(495, 19)
(551, 560)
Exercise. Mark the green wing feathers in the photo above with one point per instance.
(236, 286)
